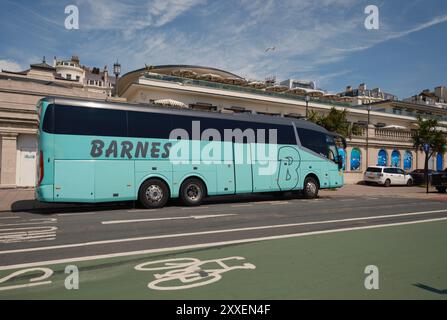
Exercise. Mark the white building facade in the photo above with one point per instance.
(19, 94)
(387, 140)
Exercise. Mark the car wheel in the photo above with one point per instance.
(387, 183)
(192, 192)
(410, 183)
(154, 194)
(311, 188)
(442, 190)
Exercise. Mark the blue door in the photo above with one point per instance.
(440, 162)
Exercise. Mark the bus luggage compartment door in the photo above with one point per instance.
(114, 180)
(74, 181)
(243, 168)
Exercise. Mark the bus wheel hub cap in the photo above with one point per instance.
(154, 193)
(311, 188)
(193, 192)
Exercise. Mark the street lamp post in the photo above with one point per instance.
(307, 99)
(117, 72)
(367, 136)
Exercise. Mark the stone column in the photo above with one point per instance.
(369, 151)
(8, 164)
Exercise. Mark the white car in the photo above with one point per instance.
(387, 176)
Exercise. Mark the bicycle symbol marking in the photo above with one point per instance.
(188, 273)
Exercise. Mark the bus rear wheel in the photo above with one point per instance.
(192, 192)
(311, 188)
(154, 194)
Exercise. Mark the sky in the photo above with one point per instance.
(323, 40)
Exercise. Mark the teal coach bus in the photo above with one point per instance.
(93, 152)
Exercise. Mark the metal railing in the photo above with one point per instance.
(241, 89)
(395, 135)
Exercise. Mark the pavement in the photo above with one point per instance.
(249, 247)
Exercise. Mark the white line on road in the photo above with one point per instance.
(142, 210)
(241, 205)
(28, 234)
(208, 245)
(195, 208)
(34, 222)
(178, 235)
(5, 218)
(168, 219)
(78, 214)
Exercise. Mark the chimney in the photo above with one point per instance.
(362, 87)
(75, 59)
(106, 75)
(349, 89)
(441, 92)
(54, 61)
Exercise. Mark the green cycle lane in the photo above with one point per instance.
(412, 263)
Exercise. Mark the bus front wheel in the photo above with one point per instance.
(311, 188)
(192, 192)
(154, 194)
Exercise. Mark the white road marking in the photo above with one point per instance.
(28, 234)
(271, 202)
(80, 214)
(142, 210)
(178, 235)
(208, 245)
(47, 273)
(167, 219)
(195, 208)
(5, 218)
(32, 222)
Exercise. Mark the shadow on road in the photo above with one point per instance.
(31, 206)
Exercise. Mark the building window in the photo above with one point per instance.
(68, 76)
(408, 161)
(395, 159)
(382, 159)
(440, 162)
(78, 78)
(356, 159)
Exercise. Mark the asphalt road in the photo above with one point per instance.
(31, 239)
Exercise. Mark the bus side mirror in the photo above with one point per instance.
(340, 163)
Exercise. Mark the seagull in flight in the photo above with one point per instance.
(270, 49)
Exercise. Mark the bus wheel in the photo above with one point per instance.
(192, 192)
(154, 194)
(311, 188)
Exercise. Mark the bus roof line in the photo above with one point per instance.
(151, 108)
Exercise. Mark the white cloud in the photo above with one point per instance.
(9, 65)
(308, 35)
(128, 17)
